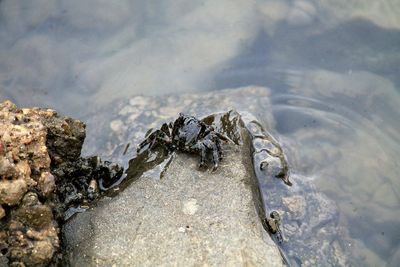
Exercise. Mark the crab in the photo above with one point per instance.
(187, 134)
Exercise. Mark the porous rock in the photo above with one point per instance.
(41, 176)
(28, 230)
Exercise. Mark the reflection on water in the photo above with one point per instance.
(332, 66)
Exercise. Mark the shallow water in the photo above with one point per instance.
(332, 66)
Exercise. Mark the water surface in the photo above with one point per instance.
(332, 66)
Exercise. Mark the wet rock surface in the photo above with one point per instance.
(37, 148)
(188, 217)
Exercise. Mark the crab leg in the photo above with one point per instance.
(215, 156)
(203, 154)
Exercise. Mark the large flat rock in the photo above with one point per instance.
(187, 218)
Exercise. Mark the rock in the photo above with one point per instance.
(23, 161)
(31, 139)
(11, 192)
(65, 138)
(37, 149)
(33, 233)
(189, 217)
(185, 201)
(32, 213)
(46, 184)
(28, 229)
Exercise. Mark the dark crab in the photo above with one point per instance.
(187, 134)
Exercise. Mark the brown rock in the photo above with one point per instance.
(42, 252)
(29, 234)
(35, 215)
(11, 191)
(46, 184)
(33, 233)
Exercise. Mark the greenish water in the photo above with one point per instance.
(332, 66)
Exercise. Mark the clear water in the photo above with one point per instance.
(332, 66)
